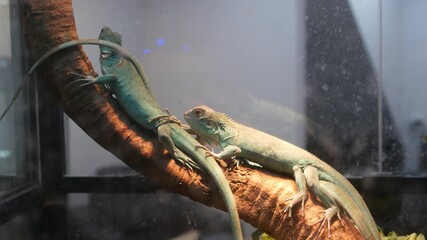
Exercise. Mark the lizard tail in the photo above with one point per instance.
(188, 145)
(346, 202)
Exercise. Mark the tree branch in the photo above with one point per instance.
(260, 195)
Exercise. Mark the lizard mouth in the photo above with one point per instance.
(187, 115)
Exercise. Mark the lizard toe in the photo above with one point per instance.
(327, 218)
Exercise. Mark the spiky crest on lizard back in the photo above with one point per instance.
(229, 123)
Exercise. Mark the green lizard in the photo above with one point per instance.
(237, 140)
(130, 85)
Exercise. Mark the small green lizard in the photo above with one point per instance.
(128, 82)
(237, 140)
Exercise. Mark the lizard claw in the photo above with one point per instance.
(288, 210)
(188, 163)
(234, 163)
(299, 197)
(86, 75)
(329, 214)
(184, 162)
(87, 78)
(85, 82)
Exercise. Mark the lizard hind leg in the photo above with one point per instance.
(167, 142)
(301, 196)
(312, 177)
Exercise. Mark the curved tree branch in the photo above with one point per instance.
(260, 195)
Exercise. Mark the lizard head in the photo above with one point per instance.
(109, 56)
(208, 124)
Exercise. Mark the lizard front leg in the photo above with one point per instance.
(228, 152)
(103, 79)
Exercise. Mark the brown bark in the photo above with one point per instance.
(260, 195)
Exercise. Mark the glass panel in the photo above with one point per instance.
(342, 84)
(312, 68)
(156, 215)
(86, 158)
(244, 58)
(340, 78)
(404, 80)
(18, 165)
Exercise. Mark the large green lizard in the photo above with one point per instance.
(237, 140)
(130, 85)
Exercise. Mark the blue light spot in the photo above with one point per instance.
(147, 51)
(186, 47)
(160, 42)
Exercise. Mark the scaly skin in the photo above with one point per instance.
(349, 205)
(237, 140)
(129, 83)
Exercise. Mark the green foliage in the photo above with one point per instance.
(259, 235)
(393, 236)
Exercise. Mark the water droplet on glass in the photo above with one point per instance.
(325, 87)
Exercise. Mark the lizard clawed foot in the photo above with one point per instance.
(187, 162)
(85, 75)
(164, 119)
(87, 79)
(299, 197)
(85, 82)
(234, 163)
(329, 214)
(287, 209)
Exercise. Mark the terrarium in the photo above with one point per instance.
(96, 98)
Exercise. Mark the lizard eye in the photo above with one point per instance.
(105, 55)
(198, 112)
